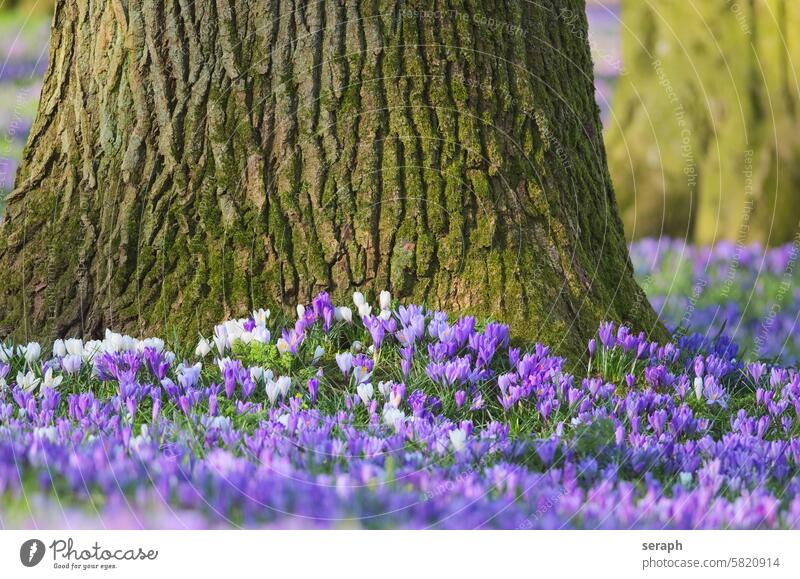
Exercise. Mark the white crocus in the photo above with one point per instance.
(365, 392)
(51, 381)
(59, 349)
(114, 342)
(74, 346)
(343, 314)
(385, 300)
(261, 316)
(91, 349)
(156, 344)
(284, 383)
(301, 311)
(257, 374)
(273, 389)
(32, 352)
(458, 438)
(6, 352)
(203, 348)
(283, 346)
(221, 342)
(393, 417)
(698, 387)
(358, 299)
(364, 310)
(319, 352)
(28, 382)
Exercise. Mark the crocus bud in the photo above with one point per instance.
(313, 389)
(32, 352)
(343, 314)
(203, 348)
(59, 349)
(385, 300)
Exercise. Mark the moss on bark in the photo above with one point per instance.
(193, 160)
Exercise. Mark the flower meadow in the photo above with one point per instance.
(382, 415)
(746, 292)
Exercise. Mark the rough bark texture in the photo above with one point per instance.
(705, 138)
(195, 159)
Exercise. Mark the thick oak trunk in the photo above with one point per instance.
(705, 137)
(194, 159)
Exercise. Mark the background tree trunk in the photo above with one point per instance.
(704, 142)
(195, 159)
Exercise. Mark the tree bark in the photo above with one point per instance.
(195, 159)
(705, 137)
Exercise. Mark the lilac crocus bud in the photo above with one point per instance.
(313, 388)
(71, 364)
(592, 347)
(699, 366)
(345, 362)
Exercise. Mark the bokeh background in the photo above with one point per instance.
(700, 105)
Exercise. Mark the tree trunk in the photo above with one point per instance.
(705, 136)
(195, 159)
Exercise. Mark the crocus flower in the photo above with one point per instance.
(51, 381)
(273, 389)
(365, 392)
(32, 352)
(74, 346)
(458, 438)
(284, 383)
(6, 352)
(313, 388)
(28, 381)
(345, 362)
(203, 348)
(343, 314)
(59, 349)
(71, 363)
(385, 300)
